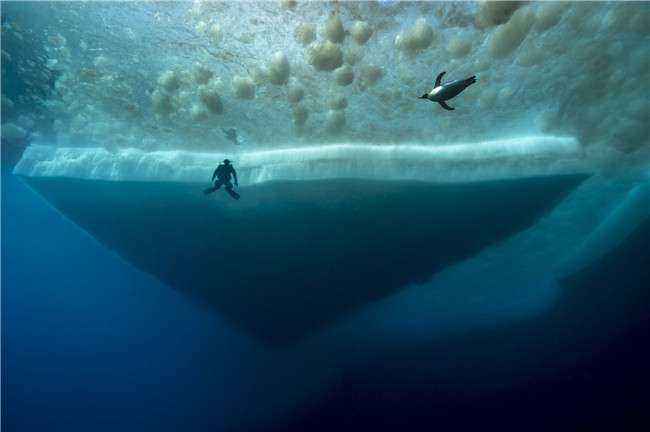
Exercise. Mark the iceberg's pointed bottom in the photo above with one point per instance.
(291, 257)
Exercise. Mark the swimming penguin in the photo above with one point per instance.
(231, 135)
(443, 92)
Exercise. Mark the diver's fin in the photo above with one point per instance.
(233, 194)
(439, 79)
(445, 106)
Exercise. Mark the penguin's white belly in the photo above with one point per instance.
(435, 91)
(435, 94)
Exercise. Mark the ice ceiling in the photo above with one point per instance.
(169, 76)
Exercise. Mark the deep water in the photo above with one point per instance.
(90, 343)
(582, 365)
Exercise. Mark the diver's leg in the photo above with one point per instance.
(214, 188)
(231, 192)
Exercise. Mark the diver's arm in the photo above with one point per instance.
(214, 174)
(234, 174)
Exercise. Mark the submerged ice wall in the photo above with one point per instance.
(290, 258)
(518, 277)
(513, 158)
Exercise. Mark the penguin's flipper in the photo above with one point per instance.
(439, 78)
(445, 106)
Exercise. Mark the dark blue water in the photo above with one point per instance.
(90, 343)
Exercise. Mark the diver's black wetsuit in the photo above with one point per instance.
(222, 174)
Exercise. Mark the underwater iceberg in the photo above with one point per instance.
(359, 200)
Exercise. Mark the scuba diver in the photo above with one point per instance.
(223, 173)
